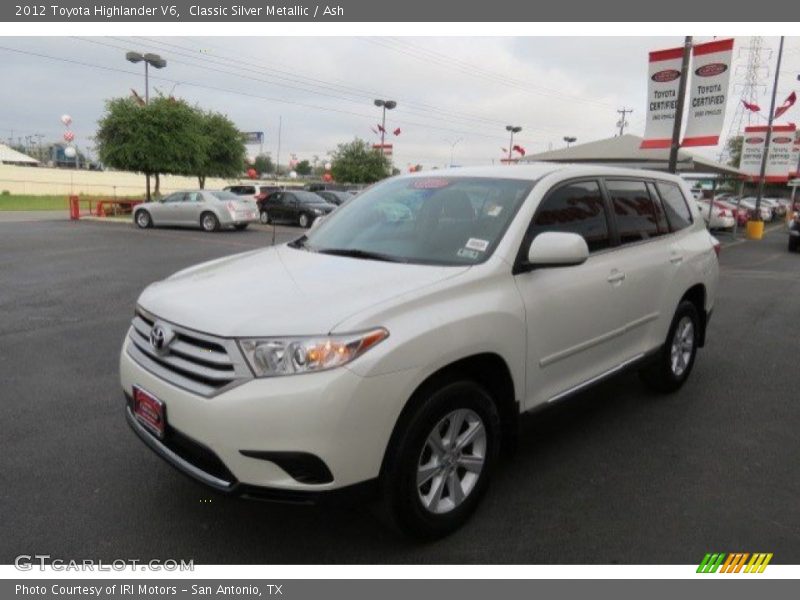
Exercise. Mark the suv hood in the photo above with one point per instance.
(282, 291)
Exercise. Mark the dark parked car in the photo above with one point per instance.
(295, 207)
(336, 197)
(794, 233)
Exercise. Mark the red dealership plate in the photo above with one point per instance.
(149, 411)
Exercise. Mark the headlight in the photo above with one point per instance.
(271, 357)
(318, 211)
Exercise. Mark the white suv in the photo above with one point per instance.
(394, 346)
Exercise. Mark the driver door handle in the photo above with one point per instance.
(616, 277)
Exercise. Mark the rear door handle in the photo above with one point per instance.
(616, 277)
(676, 259)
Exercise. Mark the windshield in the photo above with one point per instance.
(225, 196)
(432, 220)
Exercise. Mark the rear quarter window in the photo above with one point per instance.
(675, 205)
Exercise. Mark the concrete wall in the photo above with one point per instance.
(42, 181)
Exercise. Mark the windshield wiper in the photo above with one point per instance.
(356, 253)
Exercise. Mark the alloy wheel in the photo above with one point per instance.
(682, 346)
(451, 461)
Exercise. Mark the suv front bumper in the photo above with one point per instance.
(236, 441)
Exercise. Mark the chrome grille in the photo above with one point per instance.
(197, 362)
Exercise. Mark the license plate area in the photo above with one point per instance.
(150, 412)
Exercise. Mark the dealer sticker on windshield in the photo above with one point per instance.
(477, 244)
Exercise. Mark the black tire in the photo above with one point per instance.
(143, 219)
(668, 372)
(793, 243)
(209, 222)
(241, 226)
(401, 493)
(304, 221)
(264, 217)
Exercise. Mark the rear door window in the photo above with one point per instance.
(675, 205)
(575, 207)
(634, 210)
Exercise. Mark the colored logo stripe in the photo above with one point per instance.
(734, 562)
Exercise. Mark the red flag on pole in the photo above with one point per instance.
(519, 149)
(396, 131)
(751, 107)
(787, 104)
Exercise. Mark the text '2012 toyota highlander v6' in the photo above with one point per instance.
(394, 345)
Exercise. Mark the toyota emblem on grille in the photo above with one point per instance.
(161, 337)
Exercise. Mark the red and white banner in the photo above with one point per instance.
(387, 149)
(662, 97)
(708, 92)
(781, 159)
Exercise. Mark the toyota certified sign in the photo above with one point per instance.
(754, 140)
(711, 70)
(708, 92)
(666, 75)
(782, 140)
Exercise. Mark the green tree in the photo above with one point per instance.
(303, 168)
(358, 162)
(222, 153)
(264, 164)
(734, 147)
(160, 137)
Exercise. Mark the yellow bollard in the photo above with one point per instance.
(755, 230)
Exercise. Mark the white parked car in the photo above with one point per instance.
(208, 209)
(394, 346)
(749, 204)
(718, 217)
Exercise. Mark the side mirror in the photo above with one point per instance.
(557, 249)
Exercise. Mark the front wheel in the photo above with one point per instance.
(264, 217)
(304, 221)
(440, 465)
(143, 219)
(672, 365)
(209, 222)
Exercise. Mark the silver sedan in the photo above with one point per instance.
(208, 209)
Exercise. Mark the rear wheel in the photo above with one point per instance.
(209, 221)
(440, 466)
(304, 221)
(264, 217)
(143, 219)
(671, 367)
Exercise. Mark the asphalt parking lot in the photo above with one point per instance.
(615, 475)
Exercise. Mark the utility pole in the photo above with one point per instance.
(762, 175)
(622, 123)
(676, 128)
(278, 153)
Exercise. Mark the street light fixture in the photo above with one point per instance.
(512, 129)
(150, 60)
(569, 139)
(385, 105)
(453, 148)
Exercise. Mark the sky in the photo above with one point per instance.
(455, 95)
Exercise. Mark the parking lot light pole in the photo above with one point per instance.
(512, 129)
(570, 139)
(385, 105)
(149, 60)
